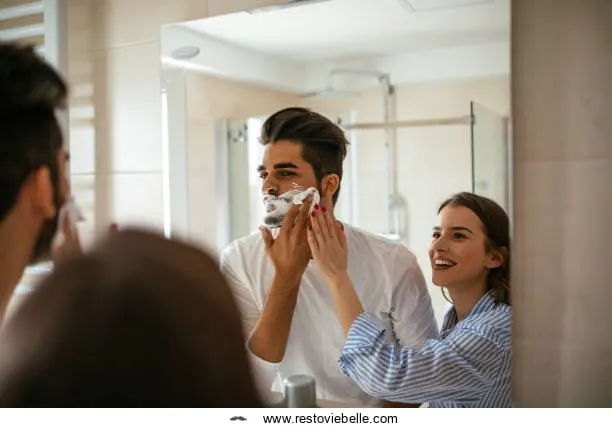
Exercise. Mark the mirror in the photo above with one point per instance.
(420, 87)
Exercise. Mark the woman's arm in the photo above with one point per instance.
(346, 302)
(458, 368)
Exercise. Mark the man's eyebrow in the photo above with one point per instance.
(285, 165)
(280, 165)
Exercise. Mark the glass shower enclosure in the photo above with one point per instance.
(491, 155)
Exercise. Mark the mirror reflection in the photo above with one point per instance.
(419, 91)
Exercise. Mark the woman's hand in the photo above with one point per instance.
(328, 245)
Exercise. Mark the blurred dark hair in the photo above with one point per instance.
(30, 136)
(323, 142)
(139, 322)
(496, 226)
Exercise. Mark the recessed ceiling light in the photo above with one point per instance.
(185, 52)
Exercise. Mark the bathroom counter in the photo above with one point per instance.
(277, 397)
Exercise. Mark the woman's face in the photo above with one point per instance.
(458, 252)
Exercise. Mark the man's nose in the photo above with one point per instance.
(269, 187)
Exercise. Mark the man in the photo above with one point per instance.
(33, 183)
(287, 308)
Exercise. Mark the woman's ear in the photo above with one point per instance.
(497, 258)
(330, 185)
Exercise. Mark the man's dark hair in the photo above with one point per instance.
(30, 136)
(323, 142)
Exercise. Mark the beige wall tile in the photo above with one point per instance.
(558, 216)
(81, 26)
(562, 170)
(127, 22)
(82, 149)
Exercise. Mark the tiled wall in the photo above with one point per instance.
(562, 104)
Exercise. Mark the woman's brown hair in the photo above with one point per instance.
(141, 321)
(496, 225)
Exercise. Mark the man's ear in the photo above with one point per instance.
(39, 190)
(329, 185)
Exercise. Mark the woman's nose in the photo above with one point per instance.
(440, 245)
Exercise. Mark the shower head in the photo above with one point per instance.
(332, 91)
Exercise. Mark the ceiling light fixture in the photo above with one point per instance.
(185, 52)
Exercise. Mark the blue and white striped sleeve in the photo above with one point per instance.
(453, 369)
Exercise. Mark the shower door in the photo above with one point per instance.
(490, 155)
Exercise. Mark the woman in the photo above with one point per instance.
(141, 321)
(468, 365)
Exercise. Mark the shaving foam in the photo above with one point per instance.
(277, 207)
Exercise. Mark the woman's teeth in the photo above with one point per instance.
(441, 262)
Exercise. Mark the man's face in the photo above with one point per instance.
(42, 247)
(283, 170)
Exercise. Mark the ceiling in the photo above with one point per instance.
(353, 29)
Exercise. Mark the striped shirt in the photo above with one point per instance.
(468, 365)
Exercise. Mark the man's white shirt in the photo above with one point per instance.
(388, 281)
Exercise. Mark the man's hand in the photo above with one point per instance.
(289, 253)
(70, 241)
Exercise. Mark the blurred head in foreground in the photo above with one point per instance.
(140, 321)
